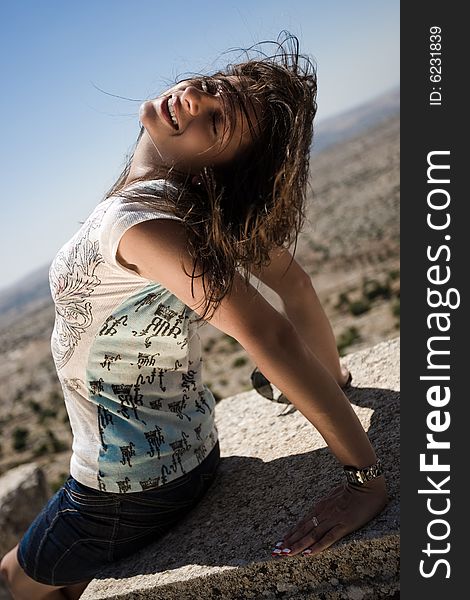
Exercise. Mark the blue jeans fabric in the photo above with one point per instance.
(81, 530)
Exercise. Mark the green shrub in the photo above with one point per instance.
(395, 274)
(41, 450)
(209, 345)
(371, 289)
(359, 307)
(20, 438)
(35, 406)
(239, 362)
(55, 397)
(46, 413)
(396, 308)
(396, 311)
(56, 444)
(343, 300)
(346, 338)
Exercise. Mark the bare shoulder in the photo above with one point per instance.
(167, 236)
(157, 250)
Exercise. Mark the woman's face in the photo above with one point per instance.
(189, 128)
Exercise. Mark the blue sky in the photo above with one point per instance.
(64, 142)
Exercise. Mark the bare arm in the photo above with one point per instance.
(157, 249)
(302, 306)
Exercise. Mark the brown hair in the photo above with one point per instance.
(257, 201)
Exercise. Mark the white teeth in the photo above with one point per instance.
(171, 110)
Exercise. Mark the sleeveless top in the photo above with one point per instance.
(128, 357)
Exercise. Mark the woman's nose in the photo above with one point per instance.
(195, 100)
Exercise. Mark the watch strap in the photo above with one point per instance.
(359, 477)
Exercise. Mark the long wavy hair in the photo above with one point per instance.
(238, 212)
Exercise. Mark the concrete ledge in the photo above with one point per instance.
(273, 469)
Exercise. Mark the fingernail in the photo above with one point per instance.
(279, 544)
(276, 551)
(286, 551)
(307, 551)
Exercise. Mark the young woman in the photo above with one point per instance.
(215, 190)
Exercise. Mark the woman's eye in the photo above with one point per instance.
(209, 86)
(215, 120)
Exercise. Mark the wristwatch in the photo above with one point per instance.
(357, 476)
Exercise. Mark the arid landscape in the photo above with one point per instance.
(349, 246)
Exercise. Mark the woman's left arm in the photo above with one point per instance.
(347, 507)
(302, 307)
(295, 370)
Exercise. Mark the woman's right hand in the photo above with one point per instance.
(345, 509)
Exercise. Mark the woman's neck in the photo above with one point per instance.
(145, 160)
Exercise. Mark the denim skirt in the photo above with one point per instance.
(81, 530)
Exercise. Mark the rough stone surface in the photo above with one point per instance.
(23, 493)
(272, 471)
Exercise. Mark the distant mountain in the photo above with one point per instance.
(345, 126)
(30, 290)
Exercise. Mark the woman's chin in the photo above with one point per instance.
(147, 112)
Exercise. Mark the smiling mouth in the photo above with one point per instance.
(171, 109)
(169, 112)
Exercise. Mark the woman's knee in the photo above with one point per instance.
(7, 565)
(21, 586)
